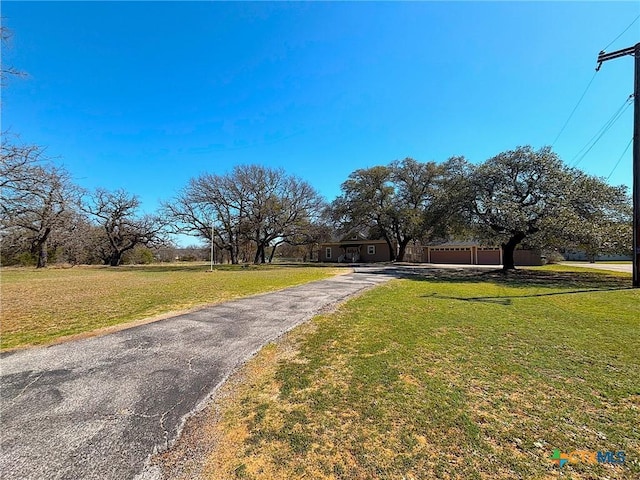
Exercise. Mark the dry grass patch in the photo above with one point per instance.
(476, 378)
(41, 305)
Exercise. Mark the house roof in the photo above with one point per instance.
(353, 235)
(353, 243)
(458, 243)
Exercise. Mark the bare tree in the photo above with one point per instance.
(210, 207)
(116, 213)
(80, 243)
(7, 71)
(307, 236)
(36, 197)
(252, 203)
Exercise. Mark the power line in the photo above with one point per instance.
(574, 109)
(622, 33)
(602, 129)
(589, 84)
(620, 159)
(600, 133)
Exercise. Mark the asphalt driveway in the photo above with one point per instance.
(614, 267)
(97, 408)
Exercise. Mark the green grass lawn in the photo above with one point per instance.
(41, 305)
(605, 262)
(477, 377)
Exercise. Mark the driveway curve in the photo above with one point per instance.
(97, 408)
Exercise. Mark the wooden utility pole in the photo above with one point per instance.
(603, 57)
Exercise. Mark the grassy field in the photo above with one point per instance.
(472, 377)
(41, 305)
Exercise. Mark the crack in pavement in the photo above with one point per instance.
(26, 387)
(166, 370)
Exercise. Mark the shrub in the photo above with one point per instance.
(550, 258)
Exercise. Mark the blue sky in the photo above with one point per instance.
(144, 96)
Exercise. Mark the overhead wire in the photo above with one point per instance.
(622, 33)
(624, 107)
(574, 109)
(600, 133)
(620, 159)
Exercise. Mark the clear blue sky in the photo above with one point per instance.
(144, 96)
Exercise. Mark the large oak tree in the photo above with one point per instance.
(404, 201)
(252, 203)
(528, 195)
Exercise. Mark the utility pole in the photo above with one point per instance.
(212, 250)
(603, 57)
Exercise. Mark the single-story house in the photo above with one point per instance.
(355, 248)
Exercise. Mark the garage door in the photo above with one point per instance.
(459, 256)
(488, 257)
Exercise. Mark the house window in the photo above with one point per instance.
(327, 252)
(371, 249)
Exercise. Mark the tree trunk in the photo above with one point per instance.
(234, 250)
(508, 249)
(115, 259)
(39, 248)
(402, 250)
(273, 251)
(42, 254)
(260, 254)
(392, 252)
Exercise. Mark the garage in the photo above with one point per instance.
(455, 255)
(489, 256)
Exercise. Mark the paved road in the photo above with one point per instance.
(615, 267)
(97, 408)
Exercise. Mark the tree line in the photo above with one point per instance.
(521, 196)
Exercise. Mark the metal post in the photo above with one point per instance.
(212, 252)
(636, 169)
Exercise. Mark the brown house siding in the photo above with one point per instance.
(462, 255)
(381, 254)
(323, 253)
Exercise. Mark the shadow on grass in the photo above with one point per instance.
(568, 283)
(507, 300)
(572, 281)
